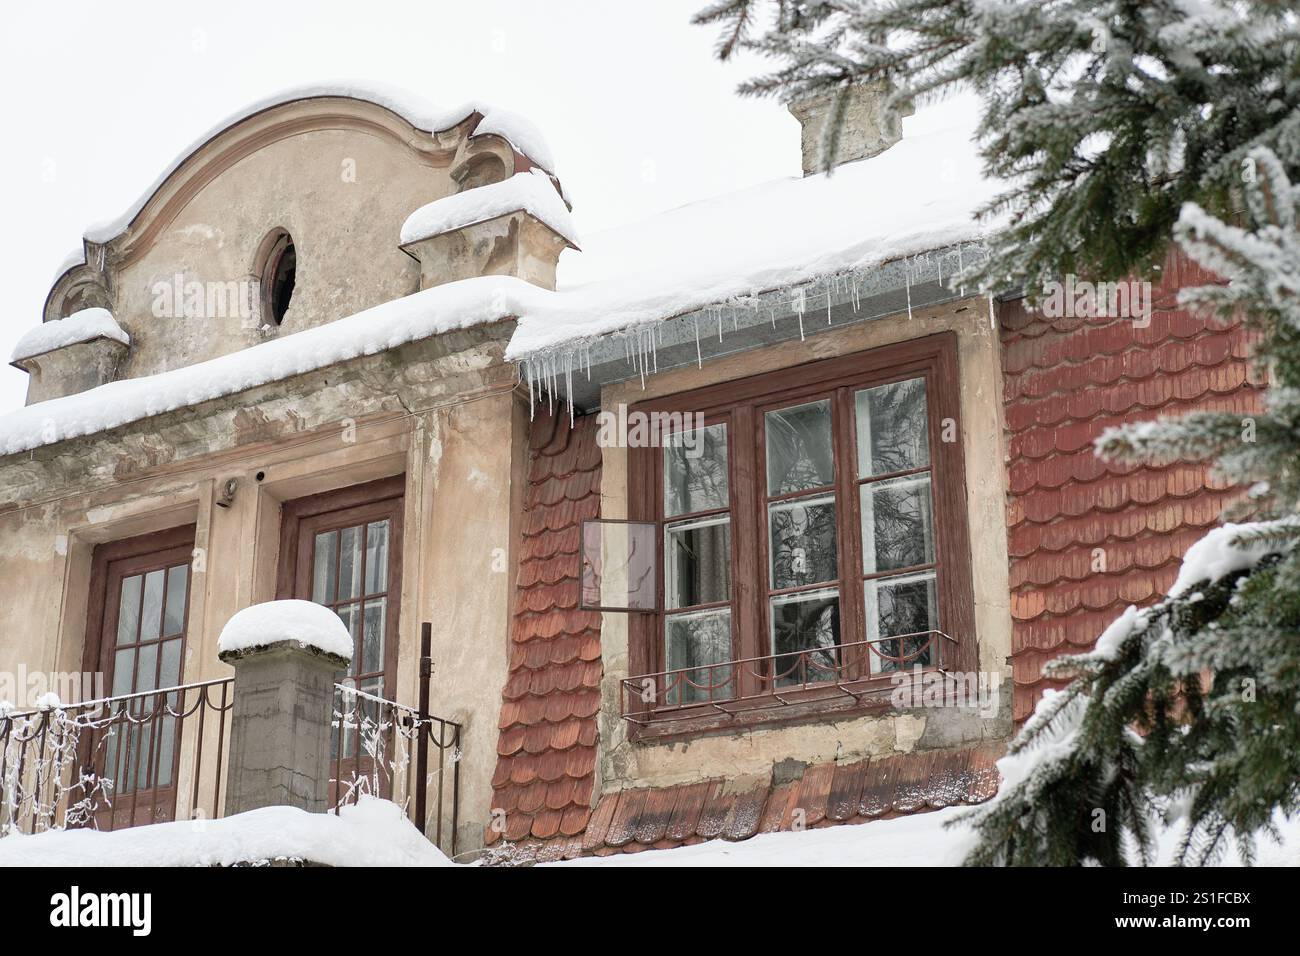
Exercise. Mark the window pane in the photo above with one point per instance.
(349, 563)
(907, 604)
(151, 618)
(892, 428)
(123, 671)
(325, 568)
(695, 471)
(897, 524)
(166, 750)
(171, 664)
(376, 557)
(694, 641)
(176, 580)
(698, 562)
(128, 614)
(800, 455)
(146, 669)
(806, 622)
(349, 614)
(372, 639)
(802, 542)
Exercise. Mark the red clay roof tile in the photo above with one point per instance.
(1063, 382)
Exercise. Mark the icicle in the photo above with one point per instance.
(828, 306)
(907, 278)
(699, 359)
(993, 322)
(771, 314)
(719, 314)
(800, 303)
(961, 289)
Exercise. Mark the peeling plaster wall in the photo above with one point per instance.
(755, 753)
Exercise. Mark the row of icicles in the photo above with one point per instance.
(545, 371)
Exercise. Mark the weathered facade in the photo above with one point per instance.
(895, 500)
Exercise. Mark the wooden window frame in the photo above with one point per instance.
(742, 403)
(303, 518)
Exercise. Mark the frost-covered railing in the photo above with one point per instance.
(383, 749)
(852, 671)
(147, 757)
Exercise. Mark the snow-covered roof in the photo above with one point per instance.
(419, 112)
(304, 622)
(531, 192)
(918, 196)
(84, 326)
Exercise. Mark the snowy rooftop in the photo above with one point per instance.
(879, 214)
(84, 326)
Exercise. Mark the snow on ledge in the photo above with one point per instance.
(371, 833)
(84, 326)
(456, 305)
(531, 192)
(311, 625)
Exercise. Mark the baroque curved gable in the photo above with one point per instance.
(338, 167)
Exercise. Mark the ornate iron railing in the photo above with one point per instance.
(115, 762)
(858, 670)
(382, 748)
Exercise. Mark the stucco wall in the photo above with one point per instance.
(341, 194)
(625, 763)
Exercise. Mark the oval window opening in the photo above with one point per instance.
(278, 277)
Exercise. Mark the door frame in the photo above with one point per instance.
(114, 561)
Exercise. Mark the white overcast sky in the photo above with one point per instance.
(99, 98)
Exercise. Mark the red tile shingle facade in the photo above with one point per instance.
(547, 750)
(1087, 538)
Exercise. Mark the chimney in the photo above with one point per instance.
(869, 126)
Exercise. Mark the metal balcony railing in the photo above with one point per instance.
(857, 670)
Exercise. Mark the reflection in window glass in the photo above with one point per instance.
(808, 621)
(695, 640)
(897, 524)
(802, 541)
(695, 471)
(892, 428)
(902, 605)
(800, 455)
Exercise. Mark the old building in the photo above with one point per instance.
(743, 518)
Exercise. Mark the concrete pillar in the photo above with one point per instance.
(280, 726)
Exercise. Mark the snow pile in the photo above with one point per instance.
(311, 625)
(372, 833)
(919, 840)
(1220, 553)
(84, 326)
(430, 312)
(420, 113)
(531, 192)
(919, 195)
